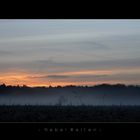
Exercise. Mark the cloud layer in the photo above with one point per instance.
(37, 52)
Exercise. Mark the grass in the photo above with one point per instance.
(29, 113)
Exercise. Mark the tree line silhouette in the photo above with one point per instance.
(101, 88)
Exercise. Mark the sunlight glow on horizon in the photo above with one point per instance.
(69, 52)
(29, 79)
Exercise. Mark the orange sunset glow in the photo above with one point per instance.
(45, 79)
(69, 52)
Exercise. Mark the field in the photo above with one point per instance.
(29, 113)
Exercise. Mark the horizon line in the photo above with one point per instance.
(70, 85)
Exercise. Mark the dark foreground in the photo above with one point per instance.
(69, 113)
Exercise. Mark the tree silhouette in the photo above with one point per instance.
(61, 101)
(102, 88)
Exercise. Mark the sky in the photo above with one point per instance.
(69, 52)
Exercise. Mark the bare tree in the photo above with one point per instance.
(62, 100)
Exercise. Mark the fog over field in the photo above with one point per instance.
(71, 99)
(73, 96)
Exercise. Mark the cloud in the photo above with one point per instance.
(79, 76)
(95, 65)
(5, 52)
(51, 66)
(58, 76)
